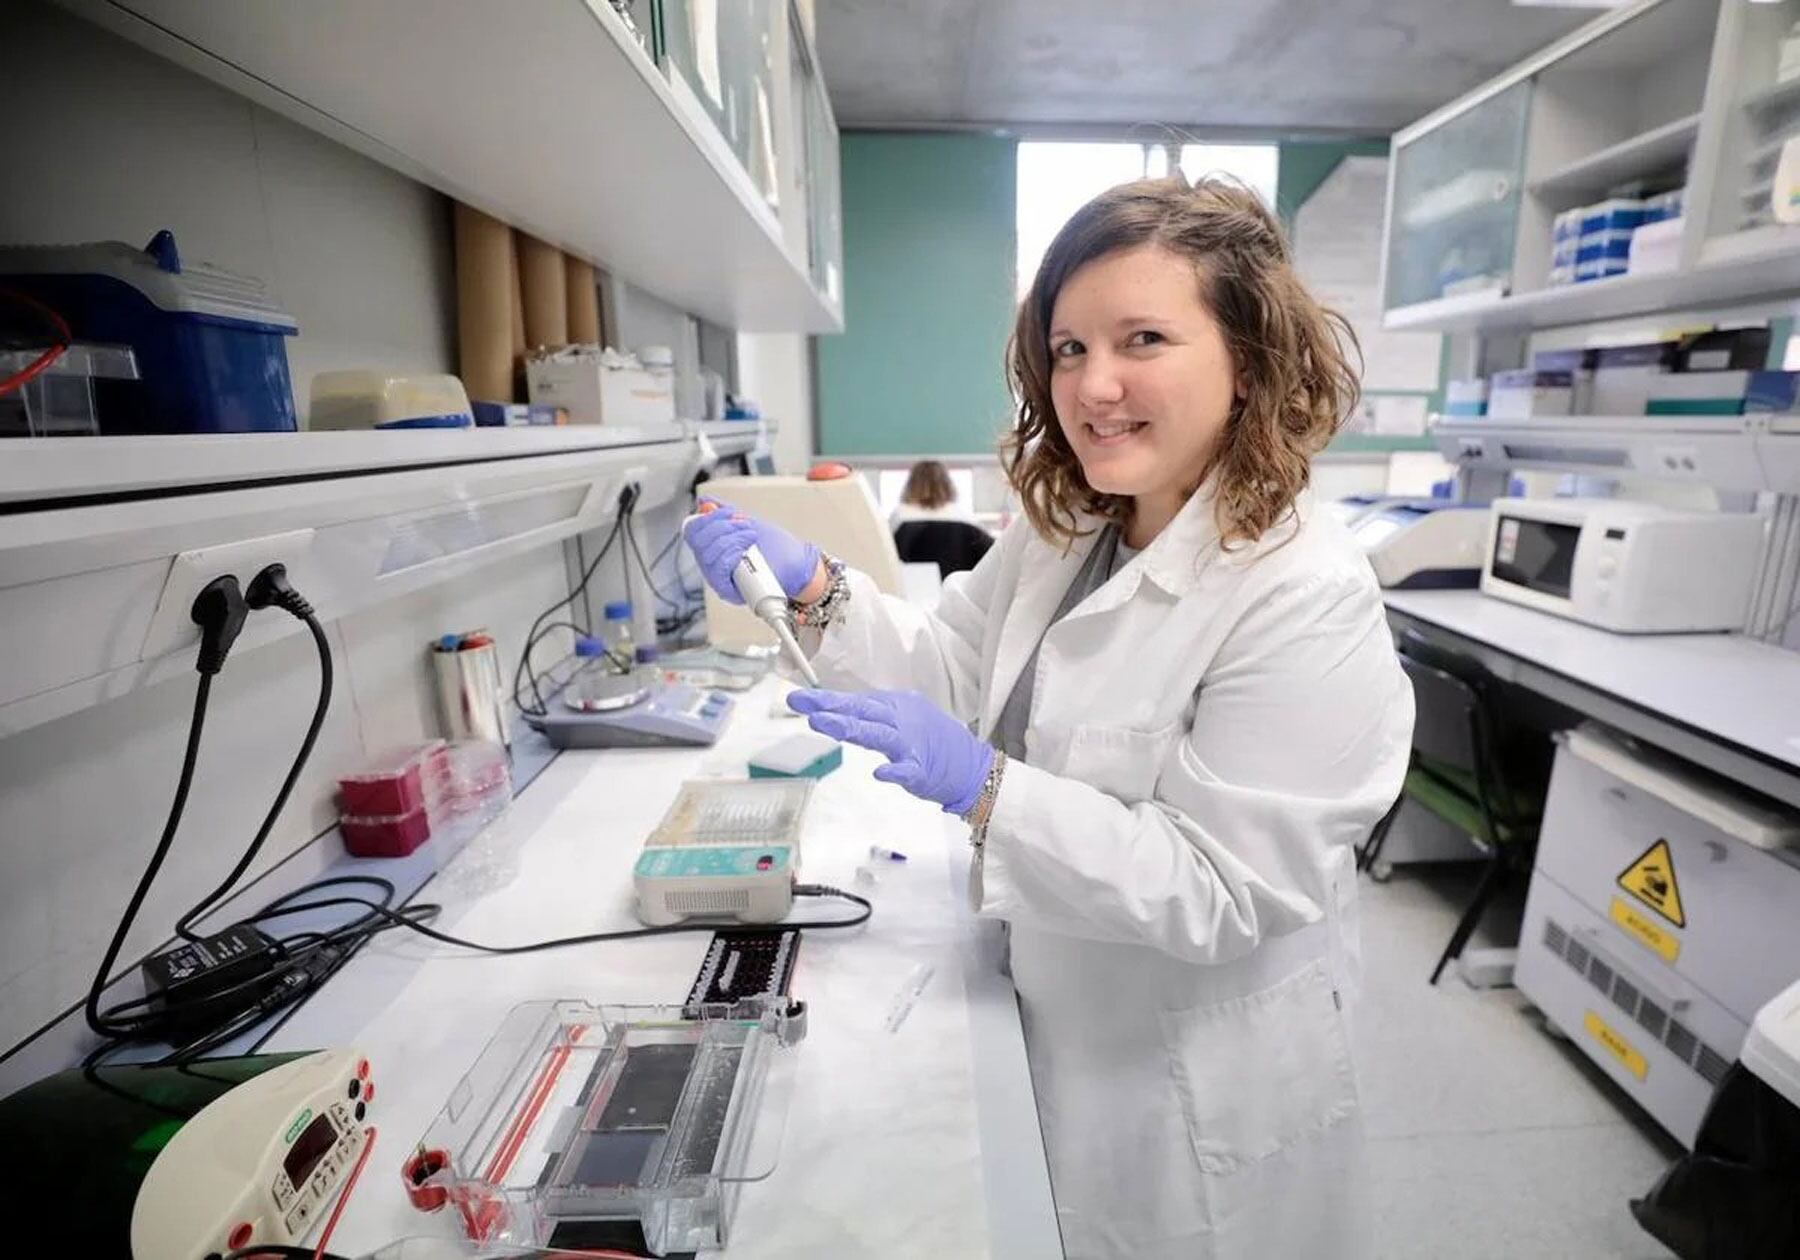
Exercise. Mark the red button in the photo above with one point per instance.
(240, 1234)
(764, 862)
(362, 1070)
(369, 1092)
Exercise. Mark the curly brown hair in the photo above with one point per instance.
(1293, 355)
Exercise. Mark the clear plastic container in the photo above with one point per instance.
(740, 811)
(395, 782)
(59, 401)
(616, 633)
(579, 1113)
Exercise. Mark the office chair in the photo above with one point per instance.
(951, 544)
(1470, 768)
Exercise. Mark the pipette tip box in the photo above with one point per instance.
(803, 756)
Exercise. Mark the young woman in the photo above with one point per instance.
(1186, 710)
(927, 496)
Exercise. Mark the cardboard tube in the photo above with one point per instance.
(584, 302)
(545, 291)
(514, 297)
(484, 270)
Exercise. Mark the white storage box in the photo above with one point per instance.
(598, 386)
(364, 399)
(1656, 247)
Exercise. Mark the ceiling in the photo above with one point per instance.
(1367, 66)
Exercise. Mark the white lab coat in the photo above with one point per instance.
(1210, 735)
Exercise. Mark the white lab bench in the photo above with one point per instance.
(1660, 915)
(1722, 701)
(919, 1142)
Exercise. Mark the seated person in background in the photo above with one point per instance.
(929, 526)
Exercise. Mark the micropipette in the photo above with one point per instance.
(763, 595)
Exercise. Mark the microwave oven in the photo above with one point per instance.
(1635, 568)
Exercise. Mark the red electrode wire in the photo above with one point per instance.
(38, 366)
(337, 1209)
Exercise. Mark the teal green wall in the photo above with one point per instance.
(930, 247)
(1305, 164)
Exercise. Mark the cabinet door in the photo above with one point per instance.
(724, 52)
(1456, 203)
(1760, 81)
(825, 237)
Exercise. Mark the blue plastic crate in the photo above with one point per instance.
(211, 347)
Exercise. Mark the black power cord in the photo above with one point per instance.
(270, 588)
(539, 630)
(402, 919)
(313, 956)
(219, 610)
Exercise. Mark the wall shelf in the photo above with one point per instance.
(1724, 452)
(99, 529)
(1730, 274)
(1658, 149)
(43, 472)
(547, 114)
(1774, 94)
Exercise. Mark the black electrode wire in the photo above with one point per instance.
(402, 920)
(184, 925)
(182, 784)
(631, 541)
(537, 631)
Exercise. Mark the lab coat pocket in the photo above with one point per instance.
(1121, 761)
(1259, 1073)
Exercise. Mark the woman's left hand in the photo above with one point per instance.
(929, 753)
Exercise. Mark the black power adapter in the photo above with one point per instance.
(199, 985)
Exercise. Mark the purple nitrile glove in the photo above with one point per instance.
(720, 537)
(929, 753)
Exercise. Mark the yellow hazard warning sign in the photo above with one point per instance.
(1651, 879)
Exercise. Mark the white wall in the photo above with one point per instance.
(108, 142)
(775, 369)
(82, 799)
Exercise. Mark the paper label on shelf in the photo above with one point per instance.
(1651, 879)
(1616, 1046)
(1637, 925)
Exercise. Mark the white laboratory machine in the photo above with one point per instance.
(831, 507)
(1424, 544)
(1660, 918)
(726, 848)
(1629, 567)
(189, 1161)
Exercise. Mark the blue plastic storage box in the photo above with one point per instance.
(211, 346)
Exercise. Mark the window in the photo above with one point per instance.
(1056, 179)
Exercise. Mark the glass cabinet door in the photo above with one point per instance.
(1456, 203)
(816, 139)
(1762, 117)
(724, 51)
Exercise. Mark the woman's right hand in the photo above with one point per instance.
(719, 534)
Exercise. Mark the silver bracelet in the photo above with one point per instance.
(824, 610)
(983, 808)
